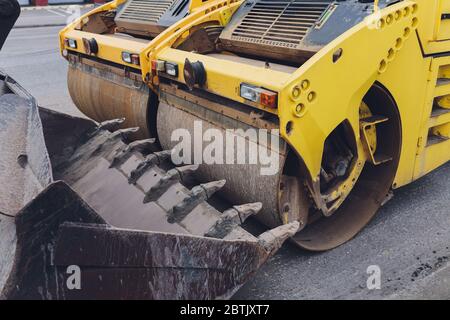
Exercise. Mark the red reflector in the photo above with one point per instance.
(135, 59)
(154, 66)
(158, 65)
(269, 99)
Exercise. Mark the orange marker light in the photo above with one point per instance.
(154, 66)
(259, 95)
(269, 99)
(158, 65)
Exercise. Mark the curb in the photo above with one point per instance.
(91, 5)
(40, 26)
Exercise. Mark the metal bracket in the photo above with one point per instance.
(375, 158)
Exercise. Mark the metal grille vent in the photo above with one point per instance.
(150, 17)
(146, 10)
(279, 22)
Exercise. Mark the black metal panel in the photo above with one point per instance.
(291, 30)
(279, 23)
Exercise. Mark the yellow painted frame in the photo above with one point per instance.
(110, 48)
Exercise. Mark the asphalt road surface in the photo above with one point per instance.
(31, 56)
(408, 241)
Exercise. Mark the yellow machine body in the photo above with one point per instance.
(401, 50)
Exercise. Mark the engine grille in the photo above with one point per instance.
(150, 17)
(146, 10)
(278, 24)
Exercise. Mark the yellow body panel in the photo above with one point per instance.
(220, 11)
(76, 24)
(229, 72)
(111, 48)
(364, 60)
(443, 25)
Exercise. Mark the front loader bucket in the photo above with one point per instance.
(85, 215)
(58, 230)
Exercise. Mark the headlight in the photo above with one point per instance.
(132, 58)
(71, 43)
(259, 95)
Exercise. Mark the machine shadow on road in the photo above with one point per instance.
(407, 239)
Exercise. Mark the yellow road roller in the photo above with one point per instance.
(356, 91)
